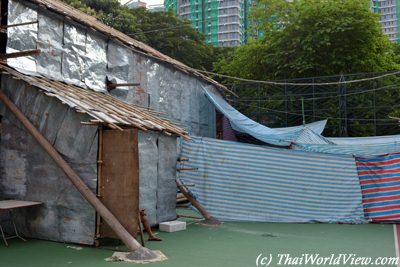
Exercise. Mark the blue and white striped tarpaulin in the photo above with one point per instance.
(371, 149)
(308, 136)
(243, 124)
(243, 182)
(371, 140)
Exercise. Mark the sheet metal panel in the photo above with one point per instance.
(157, 161)
(30, 174)
(22, 37)
(148, 173)
(96, 62)
(166, 189)
(50, 42)
(74, 56)
(240, 182)
(120, 65)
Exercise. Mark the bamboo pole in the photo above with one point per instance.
(99, 179)
(121, 232)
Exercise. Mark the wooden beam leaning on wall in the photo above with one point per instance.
(209, 219)
(4, 28)
(26, 53)
(138, 252)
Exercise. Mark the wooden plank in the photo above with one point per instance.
(19, 24)
(99, 181)
(14, 204)
(120, 179)
(112, 86)
(20, 54)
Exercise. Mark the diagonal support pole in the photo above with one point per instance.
(209, 219)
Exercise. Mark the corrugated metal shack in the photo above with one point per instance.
(107, 159)
(78, 49)
(78, 56)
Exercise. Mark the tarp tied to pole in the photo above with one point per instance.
(275, 136)
(242, 182)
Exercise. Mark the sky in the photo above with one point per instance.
(149, 2)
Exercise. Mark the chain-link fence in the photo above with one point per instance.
(359, 106)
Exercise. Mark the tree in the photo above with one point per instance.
(174, 37)
(305, 38)
(81, 6)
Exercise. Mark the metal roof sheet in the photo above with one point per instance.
(103, 108)
(76, 15)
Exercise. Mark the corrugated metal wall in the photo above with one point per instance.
(157, 163)
(28, 173)
(78, 55)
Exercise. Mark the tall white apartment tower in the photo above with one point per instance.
(389, 11)
(224, 22)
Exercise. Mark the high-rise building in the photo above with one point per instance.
(135, 4)
(223, 22)
(156, 8)
(389, 11)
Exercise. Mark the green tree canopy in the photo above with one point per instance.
(303, 38)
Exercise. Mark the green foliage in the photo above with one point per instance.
(161, 30)
(174, 37)
(82, 7)
(308, 38)
(305, 38)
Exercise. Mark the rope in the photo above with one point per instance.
(330, 118)
(325, 97)
(297, 84)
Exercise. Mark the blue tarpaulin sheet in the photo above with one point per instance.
(243, 124)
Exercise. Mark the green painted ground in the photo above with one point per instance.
(232, 244)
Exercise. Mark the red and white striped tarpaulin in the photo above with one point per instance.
(380, 185)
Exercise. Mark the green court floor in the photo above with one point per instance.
(232, 244)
